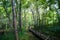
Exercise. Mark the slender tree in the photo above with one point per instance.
(14, 19)
(19, 12)
(7, 13)
(58, 11)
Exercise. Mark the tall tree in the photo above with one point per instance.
(58, 11)
(19, 12)
(14, 19)
(5, 6)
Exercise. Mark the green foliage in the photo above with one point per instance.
(42, 18)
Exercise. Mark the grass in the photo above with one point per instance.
(24, 35)
(7, 36)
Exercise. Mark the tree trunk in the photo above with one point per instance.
(38, 15)
(24, 18)
(58, 13)
(14, 19)
(19, 12)
(8, 16)
(33, 17)
(5, 7)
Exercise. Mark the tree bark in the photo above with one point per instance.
(19, 12)
(33, 17)
(38, 15)
(14, 19)
(58, 14)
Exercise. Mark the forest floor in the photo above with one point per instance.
(25, 35)
(28, 36)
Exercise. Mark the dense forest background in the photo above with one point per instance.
(18, 16)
